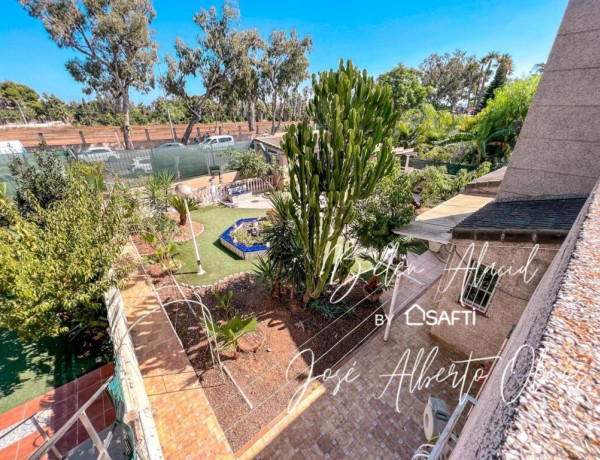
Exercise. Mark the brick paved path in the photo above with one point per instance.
(354, 423)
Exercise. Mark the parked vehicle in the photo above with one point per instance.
(98, 154)
(169, 145)
(11, 147)
(217, 142)
(141, 165)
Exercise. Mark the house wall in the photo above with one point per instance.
(558, 151)
(484, 434)
(510, 297)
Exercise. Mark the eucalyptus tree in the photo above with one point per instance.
(114, 41)
(283, 67)
(450, 75)
(219, 60)
(332, 170)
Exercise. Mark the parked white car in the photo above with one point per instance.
(141, 165)
(217, 142)
(98, 154)
(169, 145)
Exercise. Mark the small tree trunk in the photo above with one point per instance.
(126, 121)
(188, 130)
(273, 113)
(182, 219)
(251, 116)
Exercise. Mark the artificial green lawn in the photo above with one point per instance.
(216, 260)
(30, 369)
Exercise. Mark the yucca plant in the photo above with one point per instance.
(285, 255)
(229, 333)
(178, 203)
(158, 191)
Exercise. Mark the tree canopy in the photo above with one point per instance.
(114, 42)
(407, 91)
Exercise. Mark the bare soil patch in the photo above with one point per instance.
(289, 328)
(182, 233)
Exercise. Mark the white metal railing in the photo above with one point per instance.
(218, 192)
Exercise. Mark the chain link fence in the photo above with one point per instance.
(181, 162)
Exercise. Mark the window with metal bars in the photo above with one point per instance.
(480, 286)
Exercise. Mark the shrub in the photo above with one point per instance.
(55, 275)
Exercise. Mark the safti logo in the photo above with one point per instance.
(417, 316)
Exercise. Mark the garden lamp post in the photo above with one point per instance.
(184, 191)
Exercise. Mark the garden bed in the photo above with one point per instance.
(262, 374)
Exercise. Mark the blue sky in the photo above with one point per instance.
(375, 34)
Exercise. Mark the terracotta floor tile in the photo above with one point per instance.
(91, 378)
(10, 452)
(11, 417)
(29, 444)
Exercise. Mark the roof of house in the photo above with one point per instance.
(437, 223)
(487, 185)
(521, 220)
(541, 399)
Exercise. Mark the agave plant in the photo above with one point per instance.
(229, 333)
(178, 203)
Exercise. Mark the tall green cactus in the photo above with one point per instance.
(331, 170)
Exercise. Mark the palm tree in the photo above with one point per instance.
(539, 68)
(480, 138)
(178, 204)
(504, 69)
(486, 63)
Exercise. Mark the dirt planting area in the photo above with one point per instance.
(286, 329)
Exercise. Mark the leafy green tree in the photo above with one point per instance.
(53, 108)
(437, 185)
(423, 126)
(114, 40)
(283, 66)
(510, 105)
(390, 206)
(450, 75)
(96, 112)
(331, 171)
(54, 275)
(40, 183)
(250, 163)
(407, 90)
(480, 138)
(21, 97)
